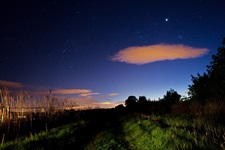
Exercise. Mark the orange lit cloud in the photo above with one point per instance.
(71, 91)
(80, 92)
(113, 94)
(88, 94)
(82, 101)
(10, 84)
(103, 103)
(148, 54)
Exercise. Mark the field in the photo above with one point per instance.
(105, 129)
(47, 123)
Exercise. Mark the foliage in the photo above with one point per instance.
(142, 101)
(120, 107)
(131, 102)
(171, 97)
(172, 132)
(216, 73)
(113, 129)
(144, 105)
(211, 85)
(199, 90)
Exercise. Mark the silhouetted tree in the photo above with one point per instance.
(199, 91)
(211, 85)
(142, 100)
(142, 103)
(216, 73)
(120, 106)
(171, 97)
(131, 102)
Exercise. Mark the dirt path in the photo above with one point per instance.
(110, 138)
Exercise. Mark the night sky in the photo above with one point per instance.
(98, 53)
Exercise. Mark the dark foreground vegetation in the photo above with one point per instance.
(194, 122)
(120, 129)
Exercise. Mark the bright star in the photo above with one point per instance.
(166, 19)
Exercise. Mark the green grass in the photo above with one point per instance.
(144, 134)
(55, 138)
(42, 139)
(106, 140)
(110, 137)
(129, 131)
(172, 132)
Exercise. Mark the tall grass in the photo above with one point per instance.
(45, 121)
(20, 112)
(103, 130)
(16, 104)
(173, 132)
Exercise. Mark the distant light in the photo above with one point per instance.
(166, 19)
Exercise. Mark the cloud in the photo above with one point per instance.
(147, 54)
(10, 84)
(103, 103)
(84, 98)
(88, 94)
(113, 94)
(82, 101)
(71, 91)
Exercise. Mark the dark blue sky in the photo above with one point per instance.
(100, 52)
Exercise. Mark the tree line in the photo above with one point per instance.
(143, 104)
(206, 89)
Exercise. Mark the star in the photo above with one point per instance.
(166, 19)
